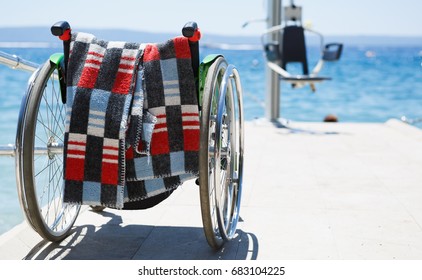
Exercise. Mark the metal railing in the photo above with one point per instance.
(17, 63)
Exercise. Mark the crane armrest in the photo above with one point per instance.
(332, 52)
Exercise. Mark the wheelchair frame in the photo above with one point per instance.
(39, 144)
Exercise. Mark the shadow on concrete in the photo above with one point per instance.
(114, 241)
(292, 130)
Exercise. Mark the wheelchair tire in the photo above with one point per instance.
(39, 160)
(221, 152)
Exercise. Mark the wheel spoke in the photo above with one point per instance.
(49, 130)
(42, 126)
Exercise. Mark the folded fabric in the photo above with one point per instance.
(132, 122)
(101, 77)
(170, 96)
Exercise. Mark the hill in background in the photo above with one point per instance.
(43, 35)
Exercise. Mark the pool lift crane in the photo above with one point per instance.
(291, 47)
(284, 43)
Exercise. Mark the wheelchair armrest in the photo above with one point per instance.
(332, 51)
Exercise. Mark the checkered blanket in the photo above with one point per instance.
(167, 153)
(132, 127)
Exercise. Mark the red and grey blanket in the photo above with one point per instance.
(132, 122)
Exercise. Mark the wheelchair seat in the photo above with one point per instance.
(294, 47)
(290, 47)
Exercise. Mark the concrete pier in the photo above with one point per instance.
(312, 191)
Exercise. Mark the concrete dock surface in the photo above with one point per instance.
(311, 191)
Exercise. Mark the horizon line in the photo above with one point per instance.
(220, 34)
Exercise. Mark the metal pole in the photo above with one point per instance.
(16, 62)
(272, 106)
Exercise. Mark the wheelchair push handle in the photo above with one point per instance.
(62, 30)
(191, 31)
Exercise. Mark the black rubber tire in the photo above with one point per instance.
(39, 140)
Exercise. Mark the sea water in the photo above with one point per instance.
(369, 84)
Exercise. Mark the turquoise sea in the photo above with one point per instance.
(369, 84)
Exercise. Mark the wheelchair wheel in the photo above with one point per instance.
(221, 152)
(39, 160)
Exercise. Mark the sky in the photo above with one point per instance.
(225, 17)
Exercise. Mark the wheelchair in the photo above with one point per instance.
(40, 138)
